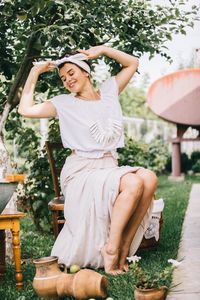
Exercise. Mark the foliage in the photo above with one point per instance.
(48, 28)
(146, 279)
(186, 162)
(133, 154)
(196, 166)
(133, 103)
(38, 189)
(195, 156)
(153, 156)
(157, 155)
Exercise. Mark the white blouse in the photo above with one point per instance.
(91, 127)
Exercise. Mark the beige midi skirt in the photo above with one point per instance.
(90, 187)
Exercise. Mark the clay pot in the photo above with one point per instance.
(149, 294)
(6, 191)
(82, 285)
(50, 283)
(47, 272)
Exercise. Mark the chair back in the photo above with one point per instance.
(52, 148)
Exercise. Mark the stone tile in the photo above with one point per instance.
(187, 275)
(191, 296)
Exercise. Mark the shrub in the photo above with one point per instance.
(196, 167)
(37, 190)
(157, 156)
(133, 154)
(153, 156)
(185, 162)
(195, 156)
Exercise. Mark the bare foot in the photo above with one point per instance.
(111, 259)
(123, 264)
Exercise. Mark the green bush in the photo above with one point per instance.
(153, 156)
(196, 167)
(185, 162)
(195, 156)
(133, 154)
(37, 190)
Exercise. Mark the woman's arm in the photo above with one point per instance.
(27, 107)
(129, 63)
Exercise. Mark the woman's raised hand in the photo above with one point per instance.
(43, 66)
(93, 52)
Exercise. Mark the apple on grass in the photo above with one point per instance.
(74, 269)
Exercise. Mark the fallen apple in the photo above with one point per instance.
(74, 268)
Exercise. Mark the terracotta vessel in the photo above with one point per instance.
(82, 285)
(47, 272)
(50, 283)
(6, 191)
(149, 294)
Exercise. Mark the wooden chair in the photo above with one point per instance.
(56, 205)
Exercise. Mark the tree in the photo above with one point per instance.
(133, 102)
(46, 28)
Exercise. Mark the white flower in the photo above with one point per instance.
(133, 258)
(174, 262)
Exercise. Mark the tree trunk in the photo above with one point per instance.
(4, 158)
(13, 98)
(20, 79)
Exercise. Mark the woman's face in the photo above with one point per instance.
(73, 77)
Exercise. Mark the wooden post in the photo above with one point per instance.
(176, 159)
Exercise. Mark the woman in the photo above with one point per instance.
(107, 207)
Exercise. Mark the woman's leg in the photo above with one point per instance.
(150, 184)
(130, 192)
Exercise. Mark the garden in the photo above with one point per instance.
(35, 244)
(39, 30)
(36, 228)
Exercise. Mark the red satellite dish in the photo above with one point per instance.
(176, 97)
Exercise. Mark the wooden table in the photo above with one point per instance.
(10, 219)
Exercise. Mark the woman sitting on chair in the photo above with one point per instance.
(107, 207)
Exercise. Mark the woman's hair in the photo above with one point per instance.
(69, 54)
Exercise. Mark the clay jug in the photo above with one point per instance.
(47, 272)
(82, 285)
(149, 294)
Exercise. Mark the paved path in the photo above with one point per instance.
(188, 273)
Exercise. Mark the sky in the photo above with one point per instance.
(180, 48)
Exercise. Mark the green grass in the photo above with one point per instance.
(35, 245)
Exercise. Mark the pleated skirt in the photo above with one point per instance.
(90, 187)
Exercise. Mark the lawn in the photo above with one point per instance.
(35, 245)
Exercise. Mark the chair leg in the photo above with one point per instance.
(55, 222)
(2, 254)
